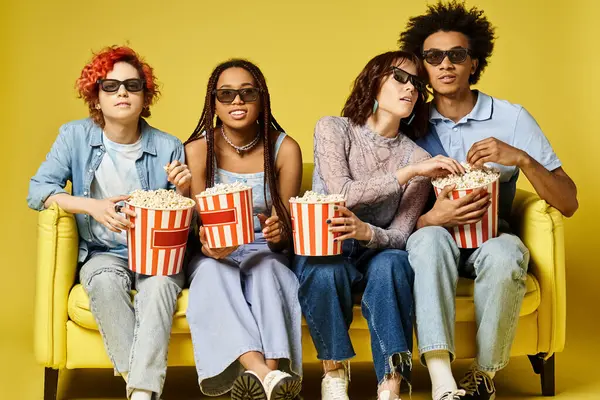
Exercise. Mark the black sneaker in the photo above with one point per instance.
(478, 386)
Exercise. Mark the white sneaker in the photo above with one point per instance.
(280, 385)
(453, 395)
(387, 395)
(248, 386)
(334, 385)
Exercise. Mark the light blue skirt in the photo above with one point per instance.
(245, 302)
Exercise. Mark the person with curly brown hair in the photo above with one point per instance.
(455, 44)
(369, 157)
(106, 157)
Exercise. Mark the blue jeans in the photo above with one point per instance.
(326, 288)
(499, 268)
(136, 334)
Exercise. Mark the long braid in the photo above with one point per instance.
(206, 127)
(268, 122)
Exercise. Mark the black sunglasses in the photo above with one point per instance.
(247, 95)
(402, 76)
(113, 85)
(456, 56)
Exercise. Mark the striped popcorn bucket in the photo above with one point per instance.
(310, 230)
(471, 236)
(227, 218)
(158, 239)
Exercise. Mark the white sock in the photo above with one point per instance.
(139, 394)
(438, 364)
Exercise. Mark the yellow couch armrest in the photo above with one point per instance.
(57, 250)
(541, 229)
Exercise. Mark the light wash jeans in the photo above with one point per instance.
(499, 268)
(245, 302)
(136, 334)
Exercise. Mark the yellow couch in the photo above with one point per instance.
(66, 335)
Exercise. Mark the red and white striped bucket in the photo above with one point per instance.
(471, 236)
(311, 231)
(158, 240)
(227, 218)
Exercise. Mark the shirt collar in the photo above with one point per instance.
(481, 112)
(147, 137)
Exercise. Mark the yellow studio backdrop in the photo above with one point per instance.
(546, 58)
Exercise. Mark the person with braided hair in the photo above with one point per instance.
(243, 309)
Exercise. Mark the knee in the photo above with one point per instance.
(202, 268)
(392, 266)
(431, 251)
(431, 239)
(107, 282)
(504, 260)
(155, 287)
(323, 278)
(267, 263)
(506, 250)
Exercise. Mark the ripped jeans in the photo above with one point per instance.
(326, 291)
(499, 268)
(135, 333)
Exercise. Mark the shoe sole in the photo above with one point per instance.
(248, 387)
(286, 389)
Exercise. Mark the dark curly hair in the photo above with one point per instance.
(209, 121)
(452, 16)
(359, 105)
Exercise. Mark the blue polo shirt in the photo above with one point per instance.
(491, 117)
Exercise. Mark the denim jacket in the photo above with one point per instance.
(75, 156)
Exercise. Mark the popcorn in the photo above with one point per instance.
(224, 188)
(311, 197)
(226, 212)
(161, 199)
(471, 179)
(310, 233)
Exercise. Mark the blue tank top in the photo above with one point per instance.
(257, 182)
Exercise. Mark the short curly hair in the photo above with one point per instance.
(101, 64)
(452, 16)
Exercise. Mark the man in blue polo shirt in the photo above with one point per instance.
(468, 125)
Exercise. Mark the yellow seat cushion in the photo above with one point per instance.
(79, 306)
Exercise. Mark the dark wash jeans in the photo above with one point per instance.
(386, 280)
